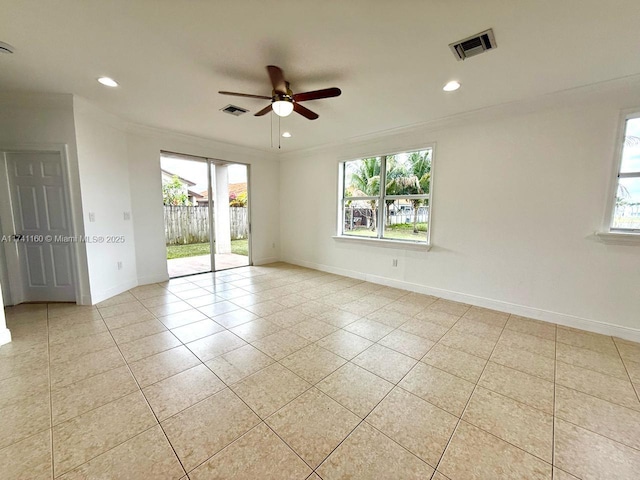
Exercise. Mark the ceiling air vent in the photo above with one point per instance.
(234, 110)
(474, 45)
(6, 48)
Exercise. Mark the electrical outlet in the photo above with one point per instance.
(119, 265)
(92, 217)
(127, 215)
(395, 262)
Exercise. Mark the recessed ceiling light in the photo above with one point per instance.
(286, 135)
(108, 82)
(451, 86)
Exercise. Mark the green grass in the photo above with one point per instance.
(402, 231)
(239, 247)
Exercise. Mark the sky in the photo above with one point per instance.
(631, 159)
(197, 172)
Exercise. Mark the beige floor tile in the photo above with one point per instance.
(436, 386)
(214, 345)
(313, 329)
(339, 318)
(436, 317)
(137, 331)
(591, 341)
(264, 309)
(478, 329)
(597, 384)
(417, 425)
(88, 435)
(207, 427)
(235, 318)
(16, 389)
(439, 476)
(590, 456)
(514, 422)
(181, 318)
(313, 363)
(401, 306)
(450, 307)
(126, 319)
(456, 362)
(633, 369)
(487, 316)
(385, 363)
(599, 362)
(614, 421)
(407, 344)
(258, 454)
(125, 297)
(520, 386)
(368, 454)
(287, 318)
(29, 459)
(312, 308)
(425, 329)
(66, 373)
(218, 308)
(628, 350)
(63, 334)
(355, 388)
(369, 329)
(255, 330)
(75, 348)
(239, 363)
(390, 318)
(562, 475)
(163, 299)
(80, 397)
(345, 344)
(145, 456)
(147, 346)
(174, 394)
(128, 307)
(537, 365)
(530, 326)
(192, 293)
(270, 389)
(196, 330)
(23, 364)
(313, 425)
(476, 455)
(23, 419)
(529, 343)
(471, 344)
(162, 365)
(281, 344)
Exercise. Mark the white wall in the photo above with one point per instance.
(104, 177)
(144, 147)
(518, 193)
(28, 120)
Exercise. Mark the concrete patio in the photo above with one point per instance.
(202, 263)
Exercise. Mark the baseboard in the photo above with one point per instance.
(148, 279)
(5, 336)
(264, 261)
(113, 291)
(566, 320)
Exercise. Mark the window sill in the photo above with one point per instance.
(619, 238)
(383, 242)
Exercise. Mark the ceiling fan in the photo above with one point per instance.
(283, 100)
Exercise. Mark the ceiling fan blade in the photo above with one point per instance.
(264, 111)
(304, 111)
(248, 95)
(277, 79)
(317, 94)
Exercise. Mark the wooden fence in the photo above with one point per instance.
(185, 225)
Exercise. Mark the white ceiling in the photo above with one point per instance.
(390, 59)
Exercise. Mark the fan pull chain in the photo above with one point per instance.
(271, 119)
(279, 135)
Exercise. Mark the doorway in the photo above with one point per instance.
(36, 226)
(206, 214)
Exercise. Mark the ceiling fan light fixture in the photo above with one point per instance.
(282, 108)
(286, 135)
(451, 86)
(108, 82)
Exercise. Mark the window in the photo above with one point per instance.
(387, 197)
(626, 212)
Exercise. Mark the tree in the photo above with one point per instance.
(365, 182)
(415, 179)
(173, 192)
(238, 200)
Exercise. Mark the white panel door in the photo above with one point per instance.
(41, 219)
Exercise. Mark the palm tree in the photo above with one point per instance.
(416, 180)
(365, 182)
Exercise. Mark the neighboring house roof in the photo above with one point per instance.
(236, 188)
(195, 195)
(188, 183)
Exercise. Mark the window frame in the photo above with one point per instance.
(616, 175)
(379, 238)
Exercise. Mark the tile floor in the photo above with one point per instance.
(280, 372)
